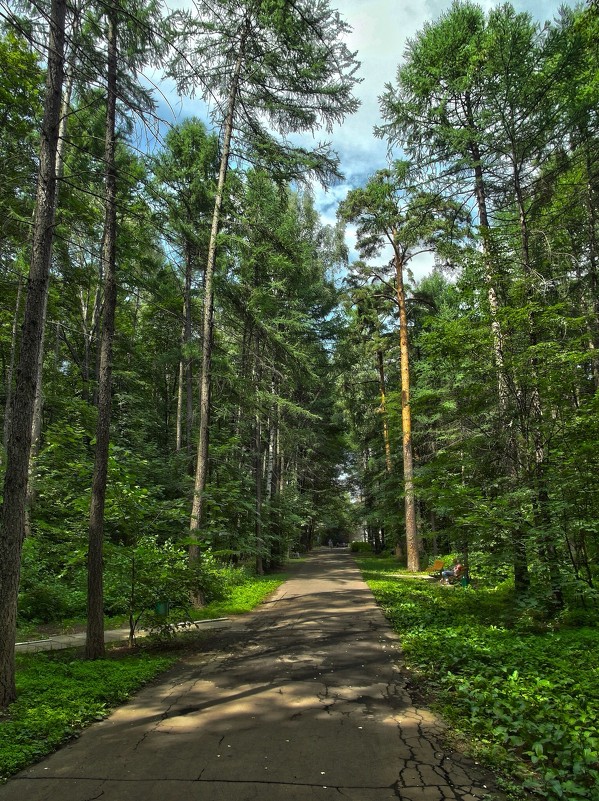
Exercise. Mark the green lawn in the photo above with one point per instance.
(528, 700)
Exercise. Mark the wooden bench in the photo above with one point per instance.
(436, 568)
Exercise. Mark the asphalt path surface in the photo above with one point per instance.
(304, 700)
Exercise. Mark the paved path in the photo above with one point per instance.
(58, 642)
(304, 702)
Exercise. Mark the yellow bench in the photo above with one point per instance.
(436, 567)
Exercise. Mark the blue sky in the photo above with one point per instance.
(380, 29)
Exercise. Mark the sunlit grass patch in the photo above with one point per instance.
(243, 597)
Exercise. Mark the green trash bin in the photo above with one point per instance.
(162, 608)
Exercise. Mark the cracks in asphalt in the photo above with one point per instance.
(396, 789)
(183, 690)
(447, 791)
(94, 797)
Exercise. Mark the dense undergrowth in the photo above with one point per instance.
(528, 699)
(59, 692)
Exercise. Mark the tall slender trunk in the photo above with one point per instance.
(257, 458)
(272, 444)
(188, 361)
(38, 406)
(383, 410)
(94, 646)
(258, 490)
(206, 379)
(519, 555)
(185, 387)
(548, 550)
(412, 544)
(88, 330)
(592, 296)
(11, 363)
(18, 443)
(36, 423)
(180, 393)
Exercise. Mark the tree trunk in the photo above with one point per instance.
(548, 551)
(11, 364)
(258, 489)
(180, 384)
(19, 435)
(206, 382)
(38, 406)
(592, 297)
(187, 356)
(519, 556)
(412, 544)
(36, 424)
(383, 410)
(94, 647)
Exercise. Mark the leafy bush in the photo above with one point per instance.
(533, 696)
(360, 547)
(46, 594)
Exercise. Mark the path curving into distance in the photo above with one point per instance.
(304, 700)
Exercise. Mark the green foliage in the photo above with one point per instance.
(50, 590)
(360, 547)
(139, 577)
(243, 596)
(59, 694)
(527, 699)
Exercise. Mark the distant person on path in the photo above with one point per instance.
(330, 543)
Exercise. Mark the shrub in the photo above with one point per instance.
(360, 547)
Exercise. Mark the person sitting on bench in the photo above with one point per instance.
(454, 572)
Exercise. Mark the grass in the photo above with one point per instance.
(527, 700)
(243, 598)
(59, 692)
